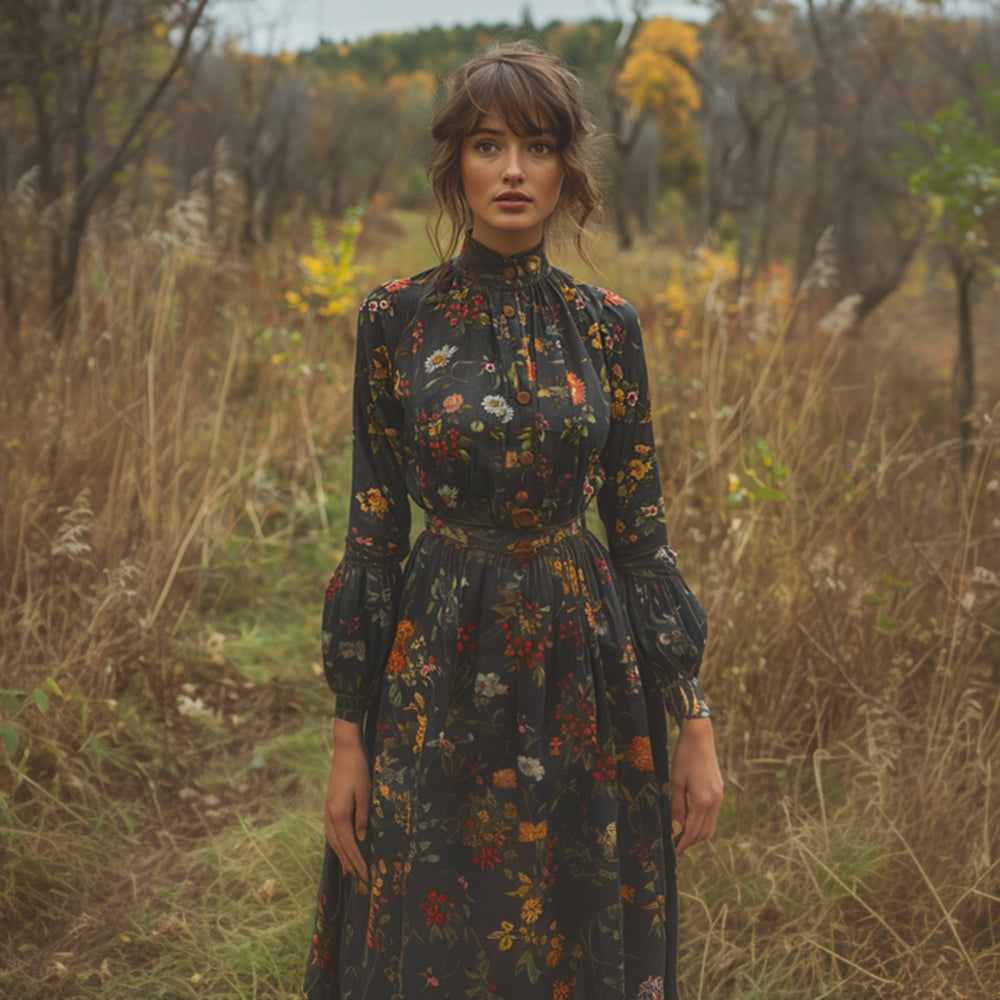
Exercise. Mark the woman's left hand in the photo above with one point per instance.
(695, 784)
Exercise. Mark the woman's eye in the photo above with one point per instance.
(541, 148)
(485, 146)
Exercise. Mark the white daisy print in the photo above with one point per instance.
(439, 359)
(499, 408)
(449, 494)
(532, 767)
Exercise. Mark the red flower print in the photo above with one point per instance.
(487, 857)
(434, 907)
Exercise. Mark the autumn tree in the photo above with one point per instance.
(82, 88)
(650, 81)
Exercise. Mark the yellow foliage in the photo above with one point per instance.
(687, 287)
(655, 76)
(406, 87)
(328, 275)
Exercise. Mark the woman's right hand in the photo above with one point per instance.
(348, 795)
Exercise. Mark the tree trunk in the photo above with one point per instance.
(965, 367)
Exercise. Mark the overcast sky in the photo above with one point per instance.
(273, 25)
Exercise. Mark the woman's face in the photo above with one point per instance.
(511, 183)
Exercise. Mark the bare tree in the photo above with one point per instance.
(75, 64)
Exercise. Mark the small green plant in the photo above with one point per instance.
(14, 704)
(762, 477)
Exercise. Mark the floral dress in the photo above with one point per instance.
(515, 675)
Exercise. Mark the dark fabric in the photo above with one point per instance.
(517, 675)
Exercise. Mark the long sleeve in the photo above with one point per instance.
(668, 623)
(362, 598)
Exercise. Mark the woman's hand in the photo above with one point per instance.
(348, 795)
(695, 784)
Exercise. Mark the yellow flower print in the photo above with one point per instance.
(528, 832)
(504, 936)
(397, 657)
(507, 778)
(639, 470)
(555, 948)
(531, 910)
(373, 502)
(618, 404)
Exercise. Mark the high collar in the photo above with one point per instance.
(487, 267)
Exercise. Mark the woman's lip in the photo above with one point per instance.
(510, 198)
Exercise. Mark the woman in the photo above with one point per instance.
(499, 813)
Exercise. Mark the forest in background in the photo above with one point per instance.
(802, 204)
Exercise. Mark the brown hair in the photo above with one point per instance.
(530, 90)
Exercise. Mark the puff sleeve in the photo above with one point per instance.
(668, 624)
(362, 598)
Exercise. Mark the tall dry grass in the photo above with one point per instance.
(131, 454)
(851, 573)
(816, 500)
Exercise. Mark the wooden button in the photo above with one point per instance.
(523, 551)
(524, 397)
(526, 457)
(510, 273)
(525, 517)
(508, 311)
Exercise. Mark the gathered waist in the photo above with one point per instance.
(522, 544)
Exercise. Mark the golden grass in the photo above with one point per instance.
(170, 492)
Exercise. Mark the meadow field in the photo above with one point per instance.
(175, 478)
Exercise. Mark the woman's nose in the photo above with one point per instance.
(512, 167)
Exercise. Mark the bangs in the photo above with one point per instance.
(525, 105)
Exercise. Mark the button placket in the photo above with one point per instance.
(518, 339)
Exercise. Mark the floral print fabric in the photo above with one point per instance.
(516, 676)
